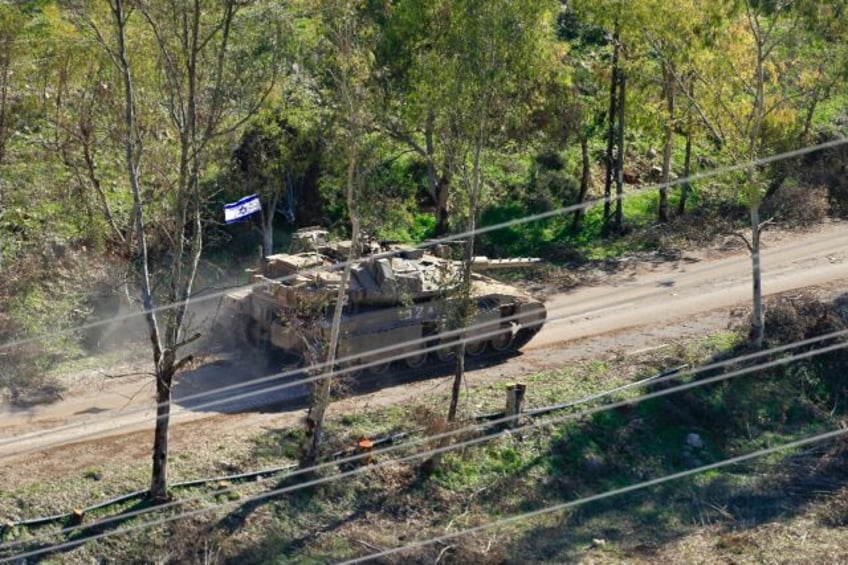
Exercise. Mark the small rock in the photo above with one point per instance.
(593, 464)
(694, 440)
(651, 153)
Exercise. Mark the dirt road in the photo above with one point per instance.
(642, 306)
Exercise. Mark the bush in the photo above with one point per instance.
(820, 377)
(553, 189)
(798, 205)
(23, 382)
(791, 319)
(540, 238)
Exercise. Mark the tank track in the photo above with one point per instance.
(523, 336)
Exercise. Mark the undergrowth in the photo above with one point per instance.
(562, 457)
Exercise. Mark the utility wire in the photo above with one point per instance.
(456, 237)
(601, 496)
(795, 345)
(190, 400)
(693, 274)
(407, 458)
(653, 381)
(323, 366)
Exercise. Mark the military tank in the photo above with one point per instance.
(398, 304)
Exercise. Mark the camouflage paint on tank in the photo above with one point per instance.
(397, 303)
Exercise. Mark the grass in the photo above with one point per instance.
(551, 237)
(83, 363)
(557, 461)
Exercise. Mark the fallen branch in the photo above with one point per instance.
(370, 546)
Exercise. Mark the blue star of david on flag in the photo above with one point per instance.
(243, 208)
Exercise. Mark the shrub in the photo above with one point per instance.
(798, 205)
(22, 378)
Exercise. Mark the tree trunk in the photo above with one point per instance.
(87, 141)
(668, 142)
(757, 314)
(429, 148)
(780, 176)
(585, 181)
(464, 310)
(687, 165)
(757, 117)
(163, 359)
(268, 225)
(456, 387)
(619, 177)
(819, 93)
(442, 194)
(159, 477)
(187, 107)
(466, 305)
(611, 117)
(323, 387)
(318, 404)
(464, 317)
(686, 187)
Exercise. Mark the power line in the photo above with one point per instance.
(444, 449)
(795, 345)
(456, 237)
(606, 494)
(428, 439)
(712, 173)
(422, 341)
(339, 372)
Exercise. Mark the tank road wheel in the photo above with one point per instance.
(475, 348)
(416, 360)
(502, 342)
(446, 352)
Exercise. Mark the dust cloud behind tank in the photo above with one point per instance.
(397, 305)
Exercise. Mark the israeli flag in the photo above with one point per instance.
(242, 209)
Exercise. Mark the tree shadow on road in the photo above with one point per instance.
(272, 384)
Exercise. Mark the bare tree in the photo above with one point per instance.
(767, 33)
(193, 45)
(348, 69)
(10, 28)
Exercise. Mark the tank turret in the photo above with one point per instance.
(397, 304)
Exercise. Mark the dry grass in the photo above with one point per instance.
(833, 512)
(762, 513)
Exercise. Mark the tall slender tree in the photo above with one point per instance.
(751, 89)
(412, 49)
(207, 93)
(11, 28)
(497, 49)
(347, 67)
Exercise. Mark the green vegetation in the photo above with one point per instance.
(560, 458)
(121, 138)
(66, 197)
